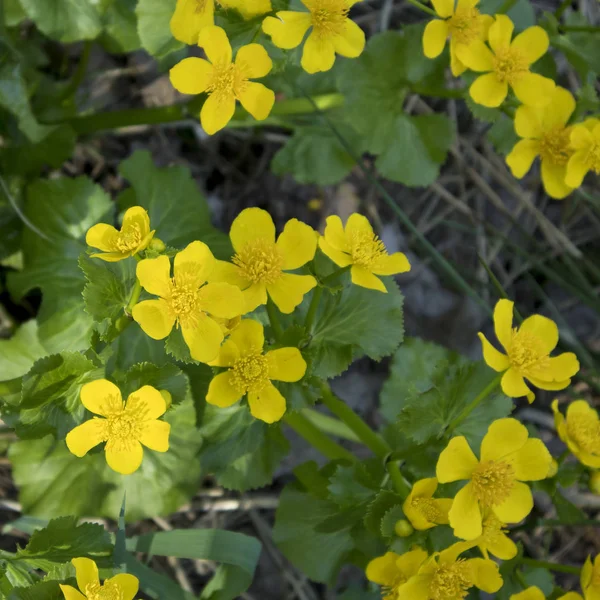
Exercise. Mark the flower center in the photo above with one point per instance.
(250, 373)
(108, 591)
(184, 299)
(124, 426)
(429, 509)
(450, 582)
(200, 6)
(592, 158)
(493, 482)
(585, 432)
(555, 146)
(510, 64)
(527, 352)
(129, 238)
(492, 530)
(260, 261)
(227, 79)
(465, 25)
(329, 17)
(366, 249)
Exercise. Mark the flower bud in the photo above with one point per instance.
(157, 245)
(403, 528)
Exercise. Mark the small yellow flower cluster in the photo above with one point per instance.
(225, 81)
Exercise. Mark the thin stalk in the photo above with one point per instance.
(318, 440)
(487, 390)
(135, 296)
(400, 485)
(562, 7)
(312, 309)
(506, 6)
(424, 8)
(581, 28)
(542, 564)
(333, 276)
(330, 425)
(274, 319)
(79, 75)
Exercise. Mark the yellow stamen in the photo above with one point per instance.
(450, 582)
(128, 239)
(108, 591)
(366, 249)
(429, 509)
(183, 299)
(328, 17)
(592, 158)
(527, 352)
(510, 64)
(555, 146)
(124, 423)
(585, 432)
(260, 261)
(227, 79)
(493, 482)
(250, 373)
(493, 530)
(465, 25)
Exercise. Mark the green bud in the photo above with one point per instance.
(595, 482)
(167, 397)
(403, 528)
(157, 245)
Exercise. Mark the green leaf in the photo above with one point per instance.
(502, 135)
(13, 12)
(388, 523)
(483, 113)
(318, 555)
(581, 48)
(566, 511)
(53, 482)
(18, 353)
(43, 590)
(176, 347)
(378, 508)
(63, 210)
(185, 217)
(350, 485)
(134, 346)
(329, 360)
(168, 377)
(521, 14)
(65, 20)
(120, 27)
(154, 17)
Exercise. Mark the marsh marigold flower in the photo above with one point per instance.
(493, 539)
(508, 457)
(122, 586)
(125, 426)
(422, 509)
(260, 263)
(463, 25)
(358, 247)
(580, 431)
(134, 236)
(507, 64)
(545, 134)
(332, 32)
(392, 570)
(250, 371)
(225, 81)
(186, 300)
(585, 139)
(527, 354)
(531, 593)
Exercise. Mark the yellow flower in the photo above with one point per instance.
(186, 300)
(580, 431)
(249, 371)
(508, 457)
(594, 483)
(463, 24)
(392, 570)
(259, 264)
(332, 32)
(444, 576)
(546, 135)
(225, 81)
(527, 354)
(590, 579)
(424, 511)
(531, 593)
(585, 139)
(507, 65)
(126, 426)
(249, 8)
(358, 246)
(122, 586)
(493, 539)
(135, 236)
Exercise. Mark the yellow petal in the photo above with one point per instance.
(548, 385)
(287, 29)
(531, 593)
(102, 236)
(112, 256)
(351, 42)
(533, 89)
(226, 272)
(528, 121)
(136, 216)
(268, 405)
(318, 54)
(476, 56)
(249, 337)
(101, 397)
(517, 506)
(434, 38)
(191, 75)
(382, 570)
(485, 575)
(341, 259)
(571, 596)
(410, 562)
(286, 364)
(360, 276)
(228, 355)
(501, 546)
(254, 296)
(500, 33)
(154, 317)
(124, 460)
(532, 43)
(127, 584)
(86, 572)
(358, 225)
(221, 390)
(503, 317)
(562, 367)
(70, 593)
(579, 408)
(147, 403)
(85, 436)
(522, 156)
(456, 461)
(249, 225)
(216, 112)
(532, 461)
(222, 300)
(154, 275)
(444, 8)
(443, 505)
(187, 21)
(465, 514)
(503, 437)
(253, 61)
(257, 99)
(156, 435)
(391, 264)
(587, 572)
(298, 244)
(203, 340)
(577, 168)
(424, 488)
(288, 291)
(457, 67)
(492, 357)
(488, 90)
(544, 330)
(216, 45)
(513, 384)
(581, 138)
(560, 108)
(416, 588)
(334, 234)
(553, 178)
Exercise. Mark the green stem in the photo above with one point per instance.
(135, 296)
(73, 86)
(329, 425)
(582, 28)
(541, 564)
(398, 481)
(12, 386)
(438, 92)
(312, 309)
(506, 6)
(561, 9)
(489, 388)
(521, 579)
(318, 440)
(424, 8)
(333, 276)
(274, 319)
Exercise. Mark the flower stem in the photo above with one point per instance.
(400, 485)
(424, 8)
(561, 9)
(489, 388)
(312, 309)
(318, 440)
(274, 319)
(506, 6)
(73, 86)
(333, 276)
(135, 296)
(581, 28)
(541, 564)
